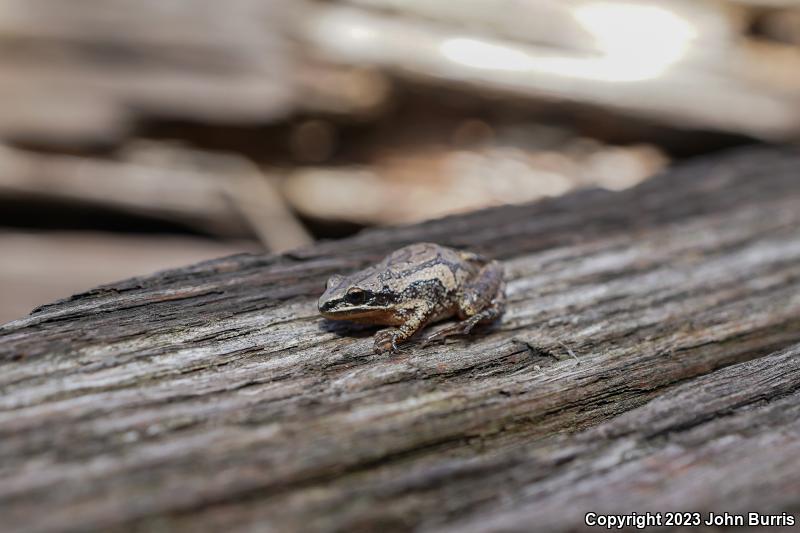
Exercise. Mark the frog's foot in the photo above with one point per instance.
(464, 327)
(386, 341)
(459, 328)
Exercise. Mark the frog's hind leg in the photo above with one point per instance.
(481, 301)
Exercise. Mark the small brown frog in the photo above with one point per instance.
(415, 286)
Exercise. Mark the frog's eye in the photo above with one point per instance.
(355, 297)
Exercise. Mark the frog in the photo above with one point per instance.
(415, 286)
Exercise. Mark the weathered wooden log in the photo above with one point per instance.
(215, 398)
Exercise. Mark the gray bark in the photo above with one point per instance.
(214, 397)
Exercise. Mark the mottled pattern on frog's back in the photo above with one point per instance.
(425, 270)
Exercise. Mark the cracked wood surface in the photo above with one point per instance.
(214, 396)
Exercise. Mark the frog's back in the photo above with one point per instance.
(426, 260)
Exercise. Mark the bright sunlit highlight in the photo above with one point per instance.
(479, 54)
(644, 37)
(636, 42)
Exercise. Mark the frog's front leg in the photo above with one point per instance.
(481, 301)
(413, 317)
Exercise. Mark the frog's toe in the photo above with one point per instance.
(467, 329)
(441, 335)
(385, 341)
(464, 327)
(382, 347)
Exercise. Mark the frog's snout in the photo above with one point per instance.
(324, 306)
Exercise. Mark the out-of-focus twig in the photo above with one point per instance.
(256, 197)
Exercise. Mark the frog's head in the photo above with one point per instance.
(346, 300)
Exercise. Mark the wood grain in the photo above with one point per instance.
(214, 396)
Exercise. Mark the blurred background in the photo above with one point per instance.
(139, 136)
